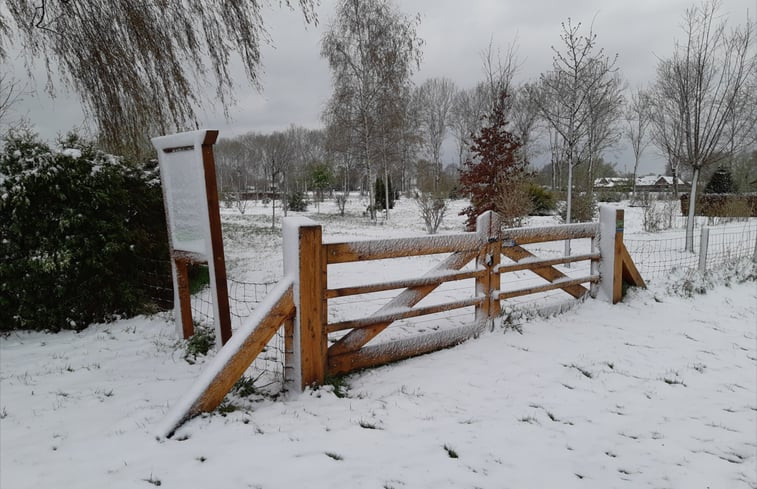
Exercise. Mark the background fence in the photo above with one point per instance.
(658, 254)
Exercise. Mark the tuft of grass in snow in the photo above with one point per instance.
(583, 371)
(244, 387)
(673, 380)
(368, 425)
(152, 480)
(451, 452)
(339, 384)
(226, 408)
(690, 283)
(335, 456)
(200, 343)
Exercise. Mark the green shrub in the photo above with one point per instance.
(583, 208)
(721, 182)
(542, 200)
(76, 226)
(380, 194)
(610, 196)
(296, 202)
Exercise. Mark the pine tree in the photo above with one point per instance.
(494, 167)
(380, 194)
(720, 183)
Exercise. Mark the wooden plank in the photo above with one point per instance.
(216, 238)
(521, 236)
(488, 227)
(517, 253)
(397, 248)
(402, 284)
(544, 263)
(617, 274)
(630, 273)
(594, 267)
(311, 314)
(403, 313)
(185, 304)
(238, 363)
(373, 356)
(407, 298)
(544, 288)
(495, 249)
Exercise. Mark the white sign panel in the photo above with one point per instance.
(183, 177)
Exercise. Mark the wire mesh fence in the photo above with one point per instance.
(656, 255)
(267, 371)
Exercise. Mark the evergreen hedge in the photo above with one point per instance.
(77, 227)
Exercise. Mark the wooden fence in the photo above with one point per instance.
(310, 358)
(314, 358)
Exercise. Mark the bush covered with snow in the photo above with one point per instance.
(77, 226)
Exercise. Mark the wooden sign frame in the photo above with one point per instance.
(194, 151)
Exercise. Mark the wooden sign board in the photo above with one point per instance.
(190, 195)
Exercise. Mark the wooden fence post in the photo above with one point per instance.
(305, 262)
(617, 276)
(184, 297)
(488, 228)
(216, 260)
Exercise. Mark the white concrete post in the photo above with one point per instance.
(607, 229)
(291, 234)
(704, 242)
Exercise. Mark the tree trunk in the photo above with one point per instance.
(692, 207)
(635, 170)
(569, 203)
(386, 190)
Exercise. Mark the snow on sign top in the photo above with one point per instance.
(183, 176)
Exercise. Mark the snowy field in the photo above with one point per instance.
(659, 391)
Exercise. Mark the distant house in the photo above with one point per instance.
(659, 183)
(615, 183)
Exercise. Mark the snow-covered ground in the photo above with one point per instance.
(659, 391)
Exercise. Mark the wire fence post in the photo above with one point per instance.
(704, 242)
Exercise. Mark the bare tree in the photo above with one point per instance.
(435, 98)
(275, 153)
(499, 71)
(703, 99)
(468, 108)
(140, 67)
(637, 119)
(524, 119)
(11, 91)
(371, 49)
(566, 95)
(605, 107)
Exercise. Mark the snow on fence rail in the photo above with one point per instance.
(657, 255)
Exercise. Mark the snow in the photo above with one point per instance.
(657, 391)
(71, 152)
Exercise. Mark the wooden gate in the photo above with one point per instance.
(486, 247)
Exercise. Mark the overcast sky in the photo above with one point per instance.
(296, 82)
